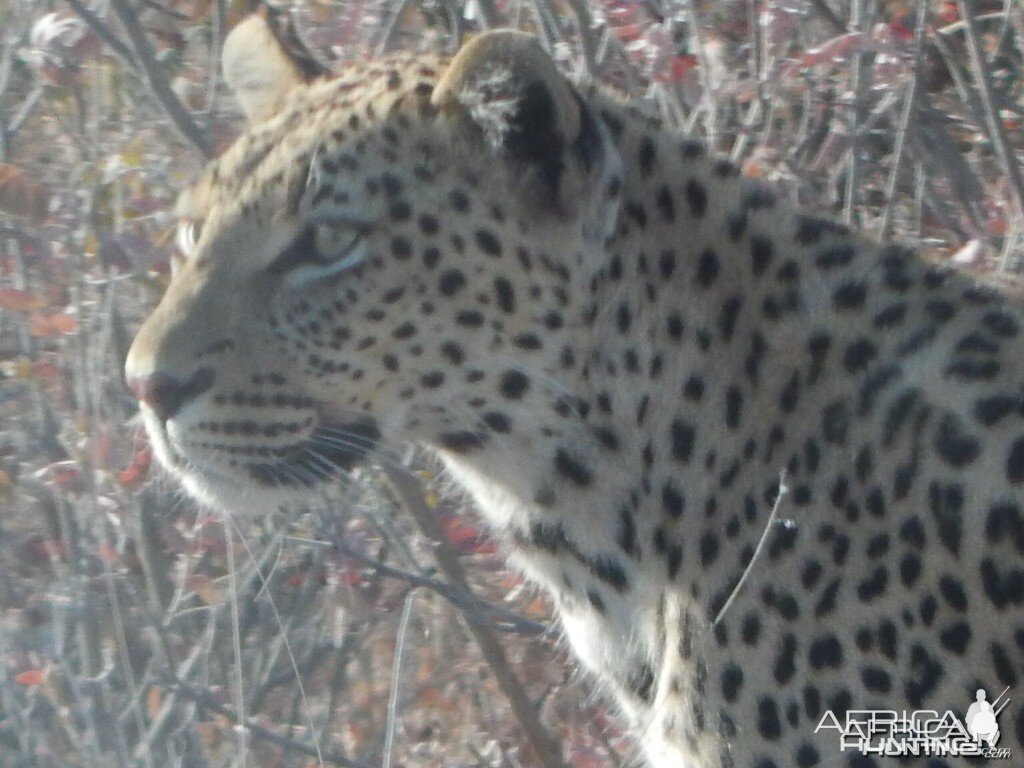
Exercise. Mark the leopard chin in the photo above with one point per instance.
(268, 477)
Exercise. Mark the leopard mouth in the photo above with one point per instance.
(329, 451)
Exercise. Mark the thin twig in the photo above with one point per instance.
(909, 108)
(828, 15)
(861, 75)
(783, 490)
(407, 488)
(208, 703)
(390, 26)
(236, 638)
(488, 13)
(497, 617)
(285, 642)
(156, 79)
(104, 32)
(396, 679)
(984, 85)
(585, 27)
(218, 16)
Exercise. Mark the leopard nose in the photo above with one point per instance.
(166, 393)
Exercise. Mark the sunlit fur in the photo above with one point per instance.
(619, 346)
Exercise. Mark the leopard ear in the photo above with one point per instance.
(509, 89)
(504, 88)
(263, 60)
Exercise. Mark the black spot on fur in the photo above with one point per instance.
(768, 724)
(488, 242)
(646, 156)
(498, 422)
(850, 295)
(665, 204)
(946, 501)
(696, 198)
(462, 441)
(672, 501)
(626, 536)
(707, 268)
(610, 572)
(785, 661)
(1015, 462)
(572, 468)
(513, 385)
(505, 294)
(1005, 521)
(826, 651)
(732, 681)
(761, 253)
(682, 437)
(955, 446)
(450, 282)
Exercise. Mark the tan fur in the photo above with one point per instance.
(618, 346)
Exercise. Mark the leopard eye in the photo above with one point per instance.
(322, 249)
(331, 243)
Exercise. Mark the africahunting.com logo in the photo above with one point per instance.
(924, 733)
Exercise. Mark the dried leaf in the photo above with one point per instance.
(51, 324)
(678, 68)
(30, 677)
(205, 588)
(46, 371)
(135, 473)
(131, 155)
(463, 537)
(154, 700)
(20, 301)
(64, 475)
(22, 196)
(429, 696)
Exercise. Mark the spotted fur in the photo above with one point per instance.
(620, 347)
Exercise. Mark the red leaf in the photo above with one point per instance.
(677, 69)
(463, 537)
(20, 301)
(64, 475)
(901, 32)
(30, 677)
(135, 473)
(55, 324)
(948, 13)
(46, 370)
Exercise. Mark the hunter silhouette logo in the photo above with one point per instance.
(981, 717)
(922, 733)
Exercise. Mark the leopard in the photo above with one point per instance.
(769, 471)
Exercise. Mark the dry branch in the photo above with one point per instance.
(996, 133)
(205, 701)
(104, 32)
(156, 79)
(407, 489)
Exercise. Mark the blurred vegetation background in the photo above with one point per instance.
(381, 628)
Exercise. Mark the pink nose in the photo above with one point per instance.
(165, 393)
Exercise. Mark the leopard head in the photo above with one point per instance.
(363, 266)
